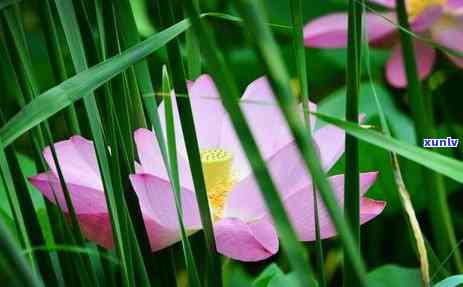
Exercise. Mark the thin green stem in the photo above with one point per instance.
(443, 230)
(352, 179)
(301, 63)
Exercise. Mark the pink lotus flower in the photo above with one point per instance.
(440, 20)
(242, 226)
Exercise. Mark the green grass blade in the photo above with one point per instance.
(56, 55)
(434, 161)
(31, 87)
(30, 216)
(352, 176)
(193, 277)
(76, 87)
(14, 202)
(230, 95)
(113, 195)
(86, 81)
(127, 114)
(443, 231)
(403, 194)
(193, 52)
(213, 270)
(12, 260)
(301, 67)
(269, 53)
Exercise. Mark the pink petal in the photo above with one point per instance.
(328, 31)
(395, 71)
(77, 161)
(299, 206)
(245, 201)
(208, 111)
(246, 241)
(260, 109)
(151, 158)
(449, 33)
(97, 228)
(84, 199)
(181, 149)
(157, 200)
(426, 19)
(89, 205)
(331, 31)
(157, 204)
(454, 7)
(330, 141)
(288, 171)
(385, 3)
(208, 114)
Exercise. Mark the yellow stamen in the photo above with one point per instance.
(217, 169)
(415, 7)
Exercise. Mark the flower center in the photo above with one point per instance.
(217, 169)
(415, 7)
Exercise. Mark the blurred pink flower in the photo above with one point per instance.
(242, 226)
(440, 20)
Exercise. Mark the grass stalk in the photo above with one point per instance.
(213, 265)
(301, 62)
(352, 175)
(13, 262)
(193, 277)
(443, 231)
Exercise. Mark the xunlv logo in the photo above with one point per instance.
(447, 142)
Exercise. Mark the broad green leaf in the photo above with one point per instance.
(266, 276)
(452, 281)
(394, 276)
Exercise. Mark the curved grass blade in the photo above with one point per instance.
(78, 86)
(442, 164)
(86, 81)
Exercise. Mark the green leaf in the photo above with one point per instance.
(288, 280)
(266, 276)
(393, 276)
(452, 281)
